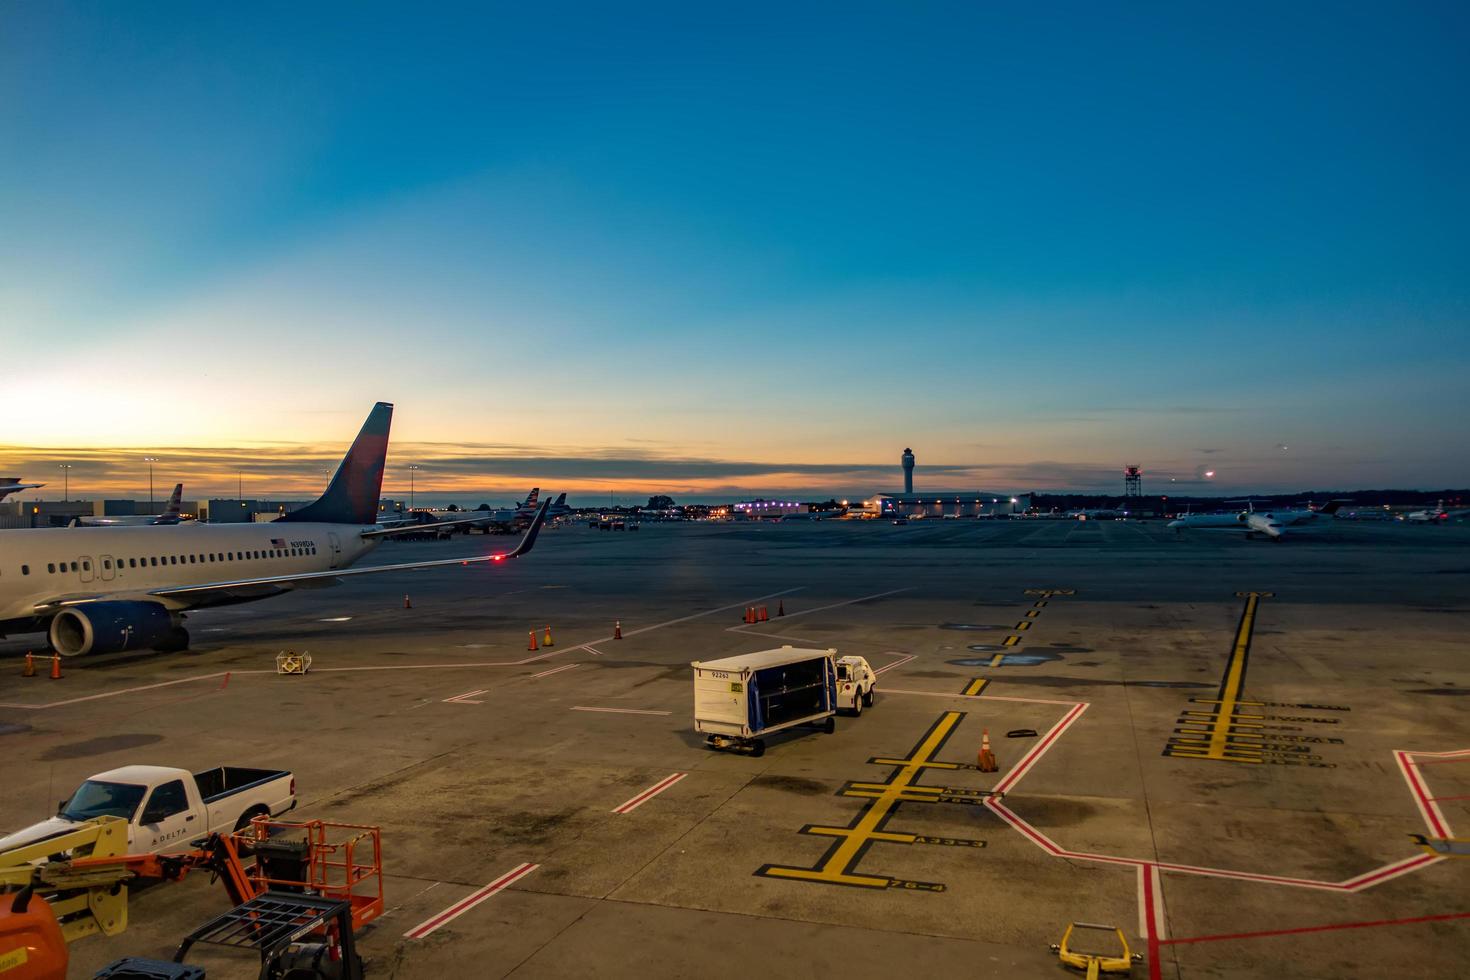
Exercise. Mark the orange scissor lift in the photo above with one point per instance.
(311, 885)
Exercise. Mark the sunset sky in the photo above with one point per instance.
(719, 250)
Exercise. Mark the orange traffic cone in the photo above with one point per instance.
(407, 604)
(617, 629)
(30, 668)
(532, 645)
(781, 607)
(986, 758)
(56, 666)
(764, 616)
(546, 640)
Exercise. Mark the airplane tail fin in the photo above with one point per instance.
(561, 501)
(352, 496)
(532, 497)
(1331, 506)
(175, 501)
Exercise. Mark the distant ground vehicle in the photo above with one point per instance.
(165, 807)
(740, 700)
(855, 683)
(900, 520)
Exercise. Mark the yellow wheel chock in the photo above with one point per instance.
(1095, 963)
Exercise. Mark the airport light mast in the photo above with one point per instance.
(150, 460)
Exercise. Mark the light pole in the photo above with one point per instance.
(412, 468)
(150, 460)
(65, 481)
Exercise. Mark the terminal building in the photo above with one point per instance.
(942, 503)
(761, 509)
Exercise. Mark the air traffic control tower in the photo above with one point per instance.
(908, 471)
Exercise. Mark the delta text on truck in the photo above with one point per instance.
(167, 807)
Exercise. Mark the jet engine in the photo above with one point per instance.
(110, 627)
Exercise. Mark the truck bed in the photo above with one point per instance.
(221, 781)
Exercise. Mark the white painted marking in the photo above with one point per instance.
(466, 696)
(650, 793)
(459, 908)
(621, 711)
(554, 670)
(592, 650)
(897, 663)
(335, 619)
(975, 697)
(808, 612)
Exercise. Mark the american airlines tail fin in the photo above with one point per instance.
(352, 496)
(171, 513)
(1331, 506)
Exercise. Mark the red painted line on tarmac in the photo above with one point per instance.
(464, 905)
(1155, 968)
(1427, 809)
(649, 793)
(1446, 799)
(1448, 916)
(1030, 758)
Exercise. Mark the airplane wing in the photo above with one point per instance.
(383, 532)
(266, 585)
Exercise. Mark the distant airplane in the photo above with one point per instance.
(170, 515)
(1436, 515)
(507, 519)
(559, 507)
(125, 588)
(12, 484)
(1271, 524)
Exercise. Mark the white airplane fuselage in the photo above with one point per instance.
(37, 565)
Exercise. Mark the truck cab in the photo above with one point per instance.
(855, 684)
(165, 807)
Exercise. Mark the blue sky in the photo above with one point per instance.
(745, 249)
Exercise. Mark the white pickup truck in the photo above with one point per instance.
(167, 808)
(855, 683)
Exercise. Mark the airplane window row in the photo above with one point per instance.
(85, 564)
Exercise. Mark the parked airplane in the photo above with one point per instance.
(1271, 524)
(170, 515)
(559, 507)
(1435, 515)
(12, 484)
(507, 519)
(132, 586)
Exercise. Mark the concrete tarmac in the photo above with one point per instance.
(1232, 779)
